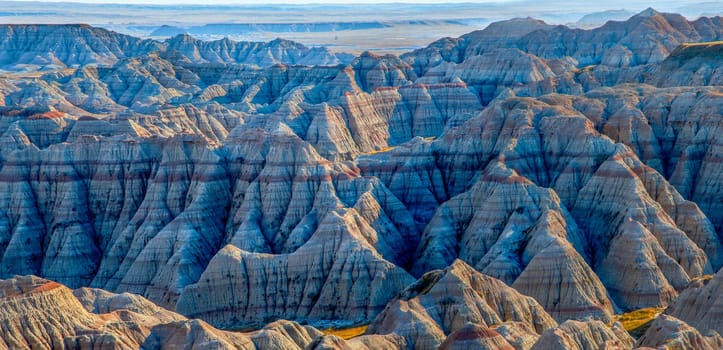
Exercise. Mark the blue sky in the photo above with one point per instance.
(260, 2)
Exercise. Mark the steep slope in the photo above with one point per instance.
(692, 64)
(442, 303)
(667, 332)
(196, 334)
(520, 158)
(120, 172)
(364, 342)
(500, 34)
(585, 335)
(671, 130)
(701, 305)
(474, 336)
(41, 314)
(532, 247)
(335, 275)
(493, 71)
(341, 110)
(164, 190)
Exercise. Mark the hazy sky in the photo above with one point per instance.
(260, 2)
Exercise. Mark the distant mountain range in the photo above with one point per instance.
(48, 46)
(245, 28)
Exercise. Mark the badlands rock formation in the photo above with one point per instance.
(39, 314)
(278, 51)
(645, 38)
(474, 336)
(701, 305)
(335, 275)
(576, 172)
(534, 180)
(460, 303)
(29, 46)
(585, 335)
(670, 333)
(66, 45)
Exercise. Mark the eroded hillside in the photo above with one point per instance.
(514, 188)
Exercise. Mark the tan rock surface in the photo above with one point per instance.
(42, 314)
(667, 332)
(444, 301)
(579, 294)
(39, 314)
(474, 336)
(378, 342)
(585, 335)
(196, 334)
(701, 305)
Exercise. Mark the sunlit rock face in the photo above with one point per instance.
(670, 332)
(700, 305)
(585, 335)
(449, 303)
(41, 314)
(474, 336)
(566, 175)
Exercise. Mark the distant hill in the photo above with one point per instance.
(597, 19)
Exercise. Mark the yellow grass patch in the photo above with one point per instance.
(704, 278)
(385, 149)
(705, 43)
(346, 333)
(585, 69)
(639, 318)
(34, 74)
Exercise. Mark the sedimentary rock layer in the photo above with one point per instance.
(443, 303)
(244, 194)
(39, 314)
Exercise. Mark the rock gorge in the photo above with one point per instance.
(518, 187)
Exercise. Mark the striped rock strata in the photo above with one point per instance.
(443, 302)
(41, 314)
